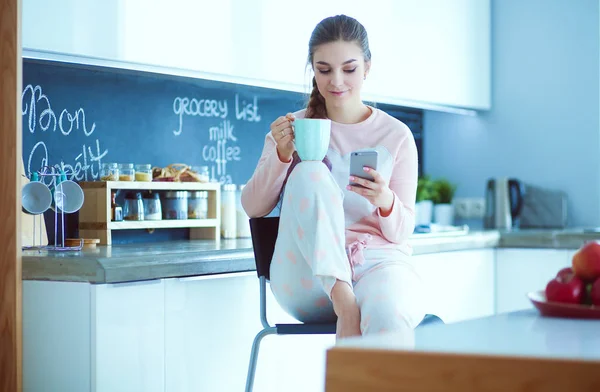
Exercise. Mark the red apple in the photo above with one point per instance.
(565, 273)
(586, 261)
(566, 287)
(595, 292)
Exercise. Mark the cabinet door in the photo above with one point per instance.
(437, 52)
(87, 28)
(128, 337)
(519, 271)
(460, 284)
(210, 325)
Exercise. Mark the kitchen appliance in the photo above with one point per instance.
(543, 208)
(504, 202)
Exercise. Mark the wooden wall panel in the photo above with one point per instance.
(10, 205)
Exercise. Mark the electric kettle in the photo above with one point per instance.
(504, 201)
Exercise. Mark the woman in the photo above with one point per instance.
(342, 250)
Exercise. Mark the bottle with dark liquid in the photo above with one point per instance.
(116, 210)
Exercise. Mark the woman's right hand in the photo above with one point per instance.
(283, 133)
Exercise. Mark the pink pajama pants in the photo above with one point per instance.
(310, 255)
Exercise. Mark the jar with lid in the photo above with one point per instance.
(242, 219)
(228, 220)
(133, 208)
(109, 172)
(126, 172)
(175, 205)
(198, 205)
(116, 211)
(152, 207)
(203, 173)
(143, 172)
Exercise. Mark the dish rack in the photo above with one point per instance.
(95, 215)
(49, 171)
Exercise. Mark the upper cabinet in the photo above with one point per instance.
(426, 53)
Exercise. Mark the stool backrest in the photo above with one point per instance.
(264, 234)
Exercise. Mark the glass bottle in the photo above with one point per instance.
(134, 207)
(242, 219)
(109, 172)
(228, 219)
(116, 210)
(143, 172)
(126, 172)
(198, 205)
(203, 173)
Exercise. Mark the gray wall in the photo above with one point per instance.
(544, 126)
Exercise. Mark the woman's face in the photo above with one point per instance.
(340, 70)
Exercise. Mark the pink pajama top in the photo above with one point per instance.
(365, 227)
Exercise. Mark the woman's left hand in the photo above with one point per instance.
(376, 192)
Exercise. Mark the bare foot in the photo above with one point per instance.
(346, 309)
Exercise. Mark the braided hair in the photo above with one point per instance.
(331, 29)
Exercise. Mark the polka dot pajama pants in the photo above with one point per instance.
(310, 256)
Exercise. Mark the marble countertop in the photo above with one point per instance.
(520, 334)
(135, 262)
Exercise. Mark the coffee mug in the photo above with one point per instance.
(312, 138)
(68, 196)
(36, 198)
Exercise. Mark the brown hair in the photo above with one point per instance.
(331, 29)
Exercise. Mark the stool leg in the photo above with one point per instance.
(254, 356)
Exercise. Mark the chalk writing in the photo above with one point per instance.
(198, 107)
(47, 117)
(221, 148)
(246, 111)
(86, 165)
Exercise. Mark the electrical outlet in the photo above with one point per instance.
(469, 208)
(461, 208)
(477, 208)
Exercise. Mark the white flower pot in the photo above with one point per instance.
(443, 214)
(423, 212)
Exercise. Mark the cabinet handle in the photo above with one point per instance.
(217, 276)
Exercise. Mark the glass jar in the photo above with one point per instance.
(242, 220)
(109, 172)
(152, 207)
(228, 220)
(126, 172)
(133, 208)
(116, 211)
(143, 172)
(175, 205)
(203, 173)
(198, 205)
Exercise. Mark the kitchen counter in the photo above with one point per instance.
(135, 262)
(510, 351)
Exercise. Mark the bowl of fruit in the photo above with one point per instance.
(575, 291)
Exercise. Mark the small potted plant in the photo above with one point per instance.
(424, 201)
(443, 193)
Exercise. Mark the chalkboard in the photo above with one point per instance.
(77, 117)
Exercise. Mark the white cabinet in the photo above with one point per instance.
(101, 338)
(210, 325)
(460, 284)
(436, 52)
(128, 337)
(88, 28)
(519, 271)
(432, 52)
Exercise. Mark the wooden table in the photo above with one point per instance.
(518, 351)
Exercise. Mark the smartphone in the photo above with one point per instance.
(360, 159)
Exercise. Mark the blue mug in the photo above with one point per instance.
(311, 137)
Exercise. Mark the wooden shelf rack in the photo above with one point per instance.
(95, 215)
